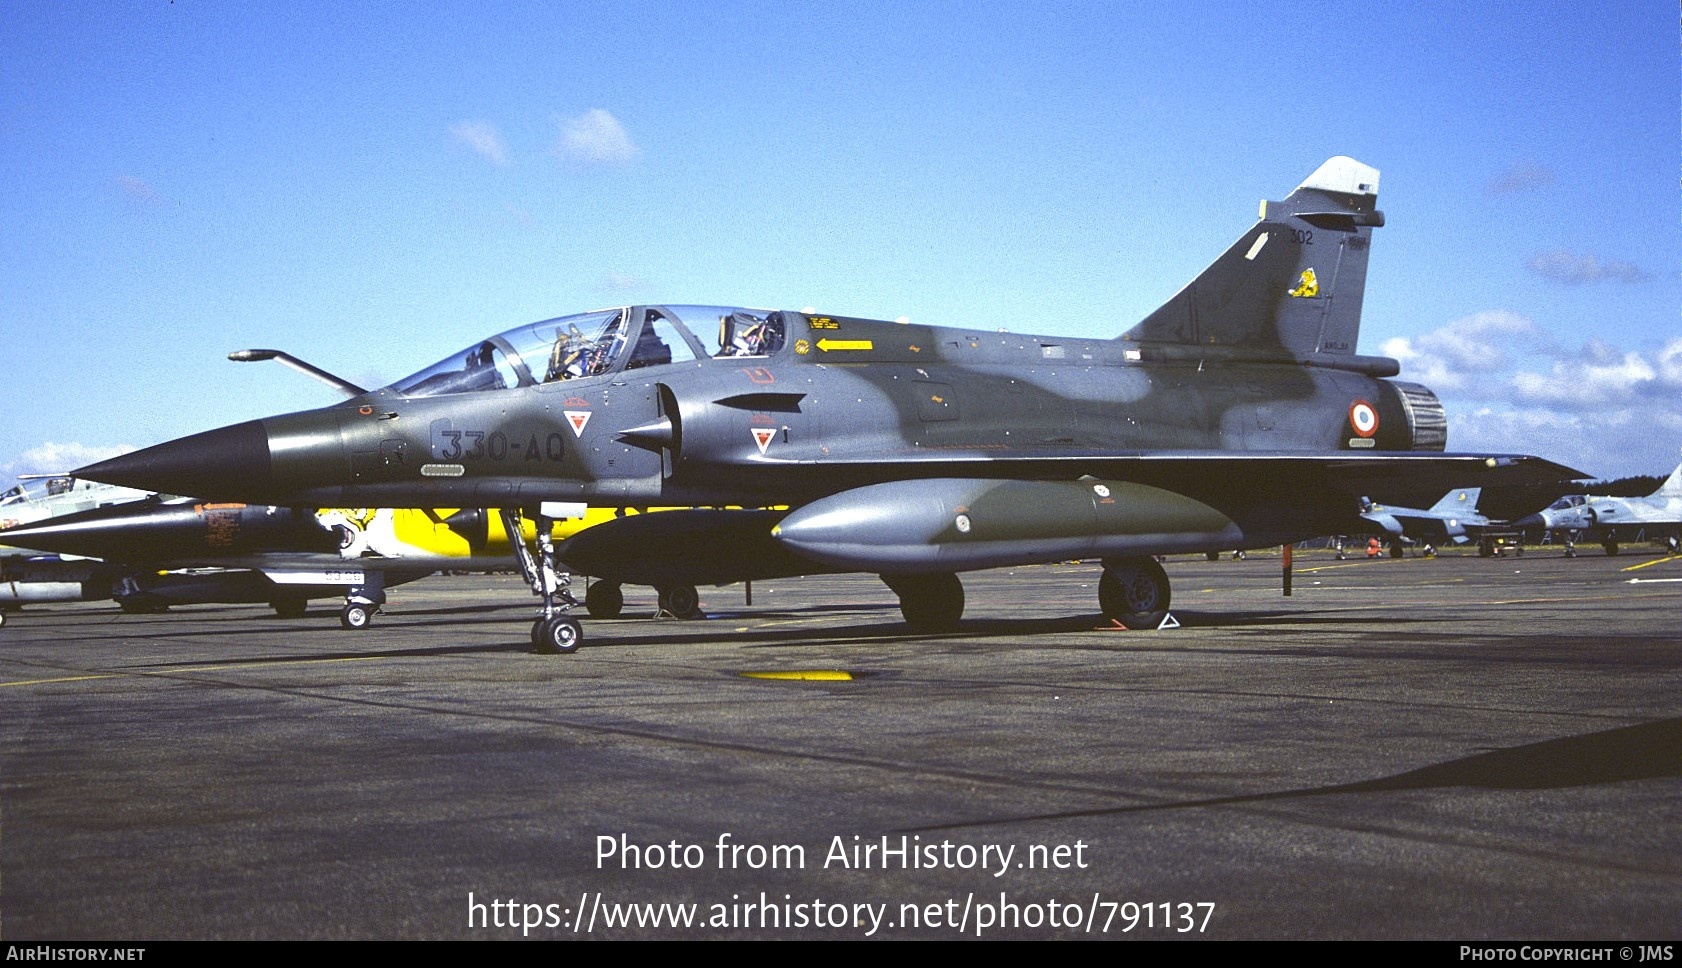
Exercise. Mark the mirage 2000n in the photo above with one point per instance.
(1237, 415)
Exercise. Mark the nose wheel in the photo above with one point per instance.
(557, 635)
(357, 615)
(555, 632)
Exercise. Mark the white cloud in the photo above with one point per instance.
(139, 189)
(56, 458)
(1601, 375)
(595, 136)
(1615, 442)
(1521, 177)
(1465, 352)
(1570, 269)
(1508, 387)
(616, 281)
(483, 138)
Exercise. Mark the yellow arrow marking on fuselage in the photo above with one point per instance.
(826, 344)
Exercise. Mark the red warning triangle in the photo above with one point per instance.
(762, 436)
(578, 418)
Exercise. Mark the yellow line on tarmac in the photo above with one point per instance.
(42, 682)
(172, 672)
(1655, 561)
(1347, 564)
(817, 675)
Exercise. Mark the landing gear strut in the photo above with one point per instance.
(930, 603)
(1134, 592)
(554, 632)
(364, 601)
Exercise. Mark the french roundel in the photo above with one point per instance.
(1363, 419)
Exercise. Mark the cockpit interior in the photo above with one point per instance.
(597, 343)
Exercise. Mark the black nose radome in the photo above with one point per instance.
(216, 464)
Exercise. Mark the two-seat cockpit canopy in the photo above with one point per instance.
(1568, 502)
(598, 343)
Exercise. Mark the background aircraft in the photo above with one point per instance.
(1611, 520)
(28, 576)
(1238, 414)
(150, 554)
(1447, 521)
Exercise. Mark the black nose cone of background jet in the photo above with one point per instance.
(213, 465)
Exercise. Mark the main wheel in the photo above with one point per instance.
(356, 616)
(1134, 592)
(1396, 549)
(930, 603)
(682, 601)
(604, 599)
(1611, 547)
(290, 607)
(558, 635)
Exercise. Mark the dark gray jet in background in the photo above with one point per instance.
(1446, 522)
(1238, 415)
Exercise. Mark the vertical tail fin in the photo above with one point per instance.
(1462, 500)
(1294, 281)
(1672, 486)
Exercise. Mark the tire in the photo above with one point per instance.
(356, 617)
(682, 601)
(604, 599)
(558, 635)
(1134, 592)
(290, 607)
(930, 603)
(1611, 547)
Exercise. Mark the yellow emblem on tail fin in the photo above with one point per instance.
(1310, 285)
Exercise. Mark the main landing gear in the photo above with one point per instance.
(1134, 592)
(680, 601)
(930, 603)
(606, 599)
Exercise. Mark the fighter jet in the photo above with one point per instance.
(1446, 521)
(1612, 520)
(150, 554)
(27, 576)
(1237, 415)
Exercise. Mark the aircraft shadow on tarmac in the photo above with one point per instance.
(1642, 752)
(719, 627)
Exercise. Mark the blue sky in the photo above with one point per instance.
(372, 186)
